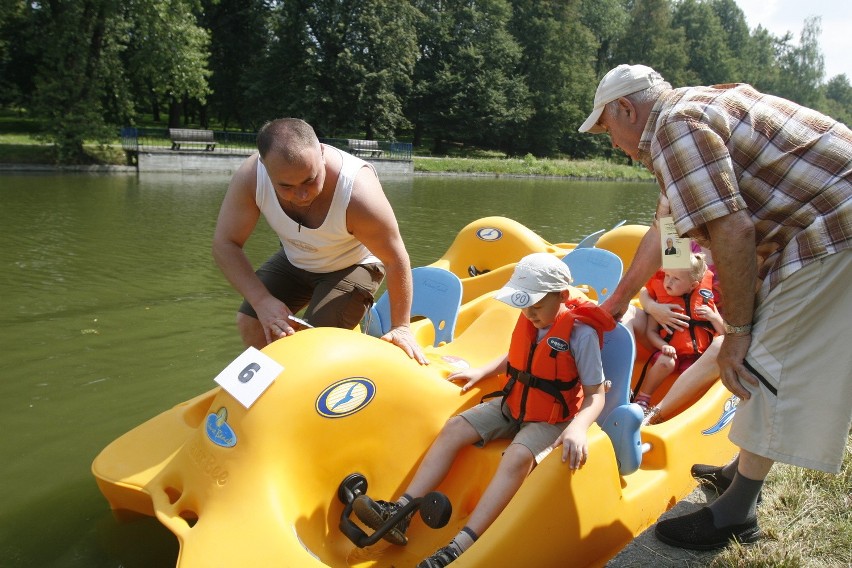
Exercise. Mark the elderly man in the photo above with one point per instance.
(338, 237)
(766, 185)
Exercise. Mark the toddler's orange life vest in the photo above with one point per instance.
(543, 384)
(697, 337)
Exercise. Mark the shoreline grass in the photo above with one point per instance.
(806, 517)
(531, 166)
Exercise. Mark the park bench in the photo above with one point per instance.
(180, 136)
(364, 148)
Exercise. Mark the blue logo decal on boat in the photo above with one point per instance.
(726, 417)
(489, 234)
(558, 344)
(219, 431)
(345, 397)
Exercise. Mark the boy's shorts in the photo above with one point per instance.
(333, 299)
(682, 362)
(491, 422)
(801, 411)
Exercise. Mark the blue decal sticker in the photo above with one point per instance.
(489, 234)
(558, 344)
(219, 431)
(725, 418)
(345, 397)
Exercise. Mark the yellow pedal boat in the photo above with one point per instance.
(258, 482)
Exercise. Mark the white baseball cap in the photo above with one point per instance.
(619, 82)
(535, 275)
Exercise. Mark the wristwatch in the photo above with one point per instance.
(737, 329)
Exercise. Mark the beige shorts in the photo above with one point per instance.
(801, 412)
(491, 422)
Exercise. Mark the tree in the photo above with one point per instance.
(383, 50)
(652, 39)
(239, 32)
(168, 51)
(557, 52)
(736, 35)
(89, 53)
(74, 80)
(838, 99)
(759, 60)
(710, 60)
(803, 67)
(342, 65)
(467, 85)
(606, 20)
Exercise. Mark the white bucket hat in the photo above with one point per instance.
(619, 82)
(534, 276)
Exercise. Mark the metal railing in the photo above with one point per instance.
(134, 139)
(157, 139)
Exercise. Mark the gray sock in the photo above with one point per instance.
(730, 470)
(737, 503)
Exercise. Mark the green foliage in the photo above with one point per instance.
(838, 99)
(467, 81)
(72, 80)
(552, 37)
(710, 59)
(167, 49)
(802, 67)
(238, 29)
(516, 76)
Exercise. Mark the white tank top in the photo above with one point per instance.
(330, 246)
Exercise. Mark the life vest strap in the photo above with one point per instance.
(547, 385)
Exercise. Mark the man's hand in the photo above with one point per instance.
(401, 337)
(616, 309)
(731, 368)
(274, 317)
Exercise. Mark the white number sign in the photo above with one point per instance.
(249, 375)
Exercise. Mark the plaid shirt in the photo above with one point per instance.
(717, 150)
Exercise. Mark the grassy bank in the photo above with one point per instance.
(806, 517)
(529, 165)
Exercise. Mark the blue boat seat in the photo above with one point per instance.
(437, 296)
(598, 268)
(590, 239)
(620, 418)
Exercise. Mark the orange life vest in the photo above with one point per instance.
(543, 384)
(700, 333)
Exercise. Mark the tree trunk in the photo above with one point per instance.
(174, 113)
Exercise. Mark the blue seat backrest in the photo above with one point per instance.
(594, 267)
(617, 355)
(619, 418)
(437, 296)
(590, 239)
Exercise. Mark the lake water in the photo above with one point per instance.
(112, 310)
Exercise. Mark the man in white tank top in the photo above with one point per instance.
(338, 234)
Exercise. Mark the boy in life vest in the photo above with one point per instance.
(553, 392)
(692, 290)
